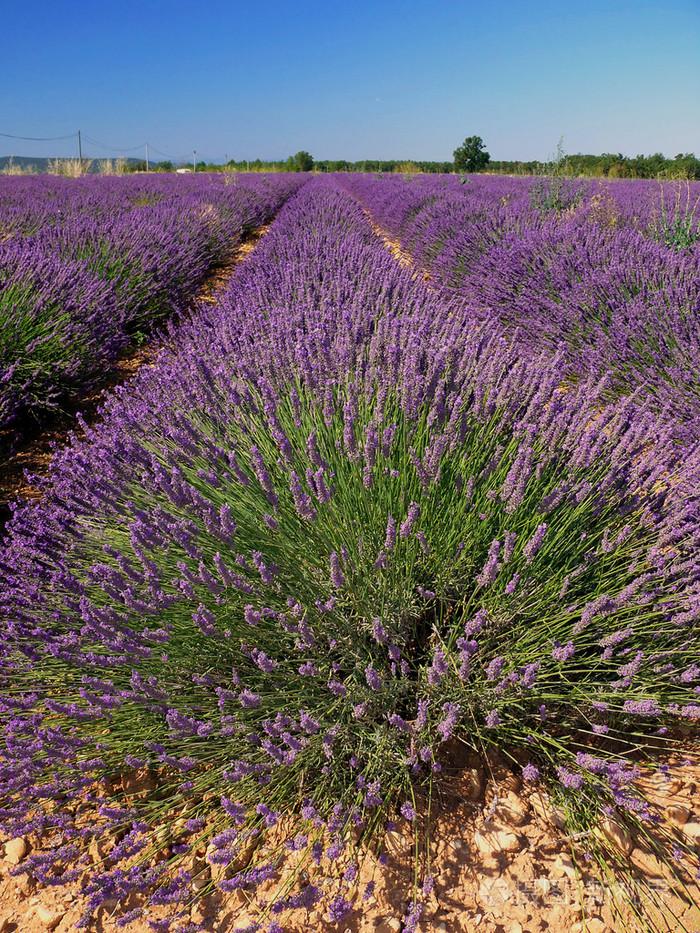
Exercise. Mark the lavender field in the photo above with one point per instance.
(407, 516)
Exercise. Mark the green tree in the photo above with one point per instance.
(471, 155)
(302, 161)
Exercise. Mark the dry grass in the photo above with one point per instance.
(69, 168)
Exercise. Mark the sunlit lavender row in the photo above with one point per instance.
(343, 528)
(607, 274)
(87, 266)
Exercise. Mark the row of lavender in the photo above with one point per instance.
(337, 528)
(85, 265)
(595, 282)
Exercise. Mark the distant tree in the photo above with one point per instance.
(471, 155)
(302, 161)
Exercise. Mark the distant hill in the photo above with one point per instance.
(40, 164)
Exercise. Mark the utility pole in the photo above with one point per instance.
(194, 160)
(80, 149)
(147, 163)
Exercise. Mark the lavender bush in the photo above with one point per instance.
(58, 322)
(86, 268)
(613, 281)
(340, 530)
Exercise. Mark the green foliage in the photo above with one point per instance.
(612, 165)
(471, 156)
(677, 224)
(301, 161)
(556, 190)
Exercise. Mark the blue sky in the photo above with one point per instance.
(352, 80)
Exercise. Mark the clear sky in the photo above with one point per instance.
(351, 80)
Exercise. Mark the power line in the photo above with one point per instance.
(100, 145)
(39, 139)
(164, 154)
(95, 142)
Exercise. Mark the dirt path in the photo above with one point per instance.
(395, 247)
(31, 450)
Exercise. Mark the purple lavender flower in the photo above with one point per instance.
(494, 668)
(390, 537)
(248, 699)
(492, 719)
(438, 667)
(338, 909)
(447, 725)
(535, 543)
(411, 518)
(490, 569)
(337, 577)
(563, 652)
(531, 773)
(407, 811)
(569, 779)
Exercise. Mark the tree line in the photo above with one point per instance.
(471, 156)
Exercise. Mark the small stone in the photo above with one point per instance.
(678, 813)
(458, 845)
(48, 917)
(473, 783)
(139, 784)
(512, 810)
(243, 922)
(663, 784)
(201, 879)
(547, 812)
(542, 886)
(389, 925)
(648, 863)
(15, 850)
(494, 842)
(98, 850)
(6, 924)
(494, 893)
(26, 884)
(692, 831)
(563, 866)
(397, 842)
(512, 782)
(595, 925)
(617, 835)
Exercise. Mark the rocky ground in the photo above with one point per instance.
(501, 862)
